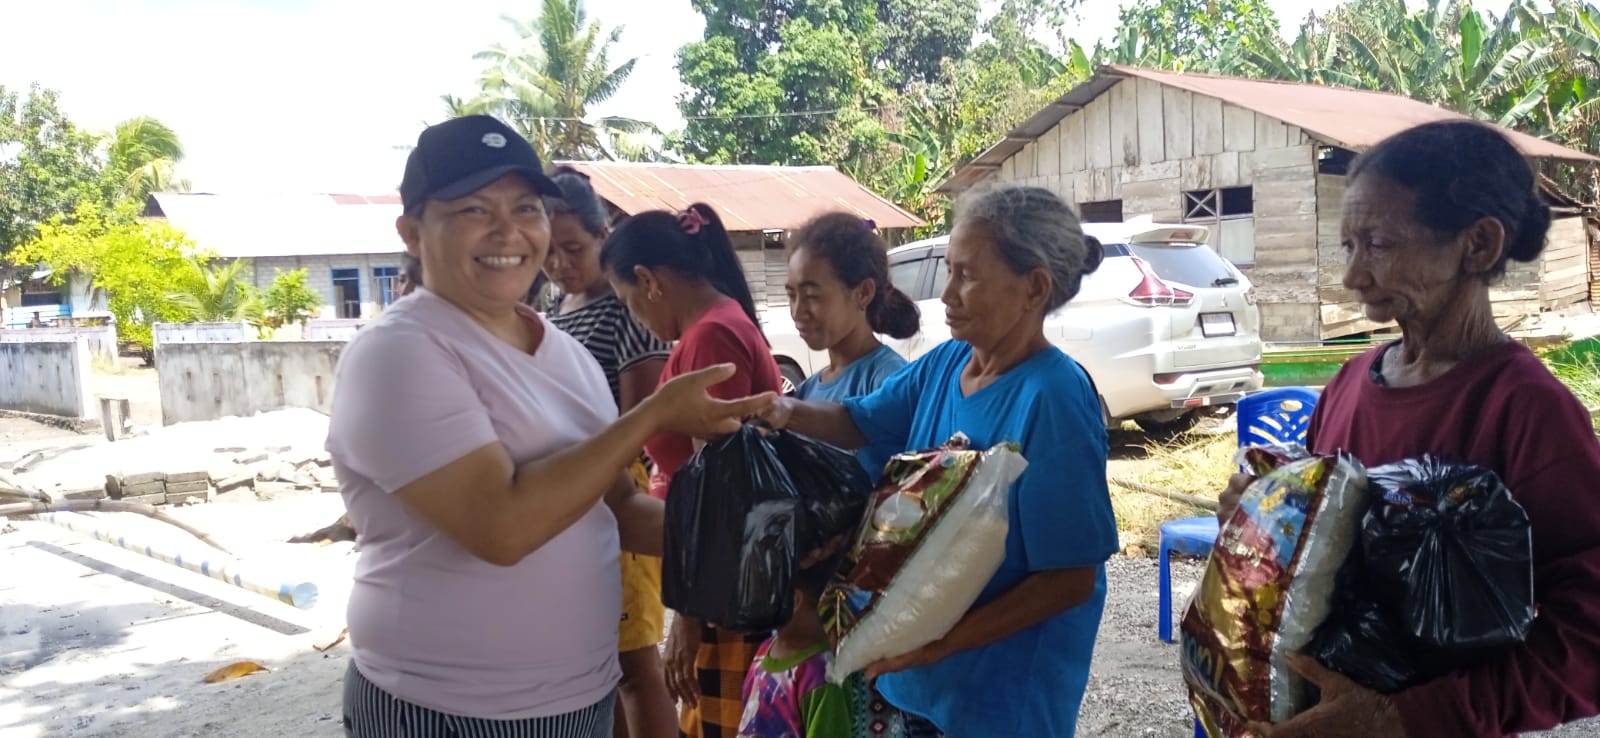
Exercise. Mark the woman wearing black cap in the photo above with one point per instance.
(486, 598)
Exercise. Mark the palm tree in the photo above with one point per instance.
(545, 84)
(145, 153)
(217, 293)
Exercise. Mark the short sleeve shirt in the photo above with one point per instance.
(1060, 518)
(860, 378)
(431, 623)
(722, 335)
(617, 341)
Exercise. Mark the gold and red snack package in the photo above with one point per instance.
(1267, 587)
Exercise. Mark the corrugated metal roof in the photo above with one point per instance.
(1337, 116)
(749, 198)
(254, 226)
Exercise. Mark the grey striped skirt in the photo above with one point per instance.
(370, 712)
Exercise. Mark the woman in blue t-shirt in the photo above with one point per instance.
(1017, 664)
(840, 297)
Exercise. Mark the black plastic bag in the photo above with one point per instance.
(731, 519)
(1444, 576)
(831, 484)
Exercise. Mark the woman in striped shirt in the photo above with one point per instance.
(632, 359)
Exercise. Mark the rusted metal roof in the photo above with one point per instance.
(1336, 116)
(749, 198)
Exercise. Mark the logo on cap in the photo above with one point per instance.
(494, 140)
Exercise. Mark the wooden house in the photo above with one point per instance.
(1263, 164)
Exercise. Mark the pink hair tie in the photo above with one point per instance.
(691, 221)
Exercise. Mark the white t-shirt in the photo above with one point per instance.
(430, 623)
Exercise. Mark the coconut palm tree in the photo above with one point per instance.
(217, 293)
(545, 84)
(145, 152)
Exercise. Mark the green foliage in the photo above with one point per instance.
(213, 293)
(545, 83)
(138, 263)
(143, 153)
(289, 301)
(49, 168)
(1192, 35)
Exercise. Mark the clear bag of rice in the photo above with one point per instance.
(934, 533)
(1267, 587)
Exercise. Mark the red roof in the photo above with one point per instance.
(1351, 118)
(749, 198)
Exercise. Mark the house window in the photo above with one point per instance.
(347, 292)
(1230, 212)
(387, 280)
(1102, 211)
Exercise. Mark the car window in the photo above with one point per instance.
(1195, 265)
(907, 277)
(941, 277)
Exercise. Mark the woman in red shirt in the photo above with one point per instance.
(678, 274)
(1431, 216)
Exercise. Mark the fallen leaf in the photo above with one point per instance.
(338, 639)
(233, 671)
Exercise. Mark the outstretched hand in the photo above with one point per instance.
(1346, 710)
(684, 404)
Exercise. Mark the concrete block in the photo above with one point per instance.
(143, 488)
(180, 488)
(158, 499)
(187, 476)
(252, 458)
(184, 498)
(134, 480)
(235, 480)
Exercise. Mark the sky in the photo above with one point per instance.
(301, 96)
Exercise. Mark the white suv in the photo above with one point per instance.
(1165, 327)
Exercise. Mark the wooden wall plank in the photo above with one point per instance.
(1238, 128)
(1152, 126)
(1207, 125)
(1073, 149)
(1097, 131)
(1124, 123)
(1177, 117)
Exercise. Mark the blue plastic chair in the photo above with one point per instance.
(1192, 536)
(1281, 415)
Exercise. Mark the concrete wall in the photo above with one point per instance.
(332, 330)
(47, 377)
(319, 276)
(201, 332)
(102, 339)
(207, 381)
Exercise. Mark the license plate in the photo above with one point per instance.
(1217, 324)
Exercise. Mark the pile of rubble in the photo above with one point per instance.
(265, 456)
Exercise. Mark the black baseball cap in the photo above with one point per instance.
(463, 155)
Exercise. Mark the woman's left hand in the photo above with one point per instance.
(1347, 709)
(929, 654)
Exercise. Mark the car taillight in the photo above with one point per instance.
(1152, 292)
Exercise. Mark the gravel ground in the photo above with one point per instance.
(1135, 687)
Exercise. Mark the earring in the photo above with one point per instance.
(653, 295)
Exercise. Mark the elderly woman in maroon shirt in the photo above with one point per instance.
(1431, 217)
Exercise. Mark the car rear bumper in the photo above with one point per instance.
(1210, 387)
